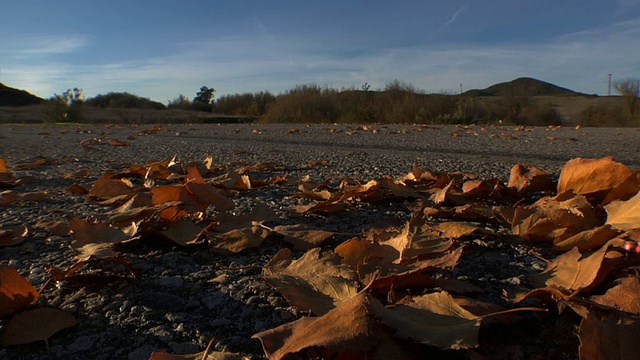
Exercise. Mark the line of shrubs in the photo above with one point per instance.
(396, 103)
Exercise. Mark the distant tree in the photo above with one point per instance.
(65, 107)
(630, 90)
(204, 99)
(181, 102)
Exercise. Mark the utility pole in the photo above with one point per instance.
(609, 89)
(460, 88)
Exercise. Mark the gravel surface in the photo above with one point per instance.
(185, 296)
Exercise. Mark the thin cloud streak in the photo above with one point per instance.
(45, 45)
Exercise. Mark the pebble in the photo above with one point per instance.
(171, 282)
(83, 343)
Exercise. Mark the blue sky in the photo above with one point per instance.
(160, 49)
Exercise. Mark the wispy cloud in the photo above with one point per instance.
(452, 19)
(45, 45)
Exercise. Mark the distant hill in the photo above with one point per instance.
(123, 100)
(14, 97)
(523, 87)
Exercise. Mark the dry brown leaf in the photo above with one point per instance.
(313, 282)
(13, 235)
(3, 166)
(441, 195)
(624, 215)
(116, 142)
(573, 271)
(434, 319)
(385, 276)
(16, 292)
(349, 328)
(205, 192)
(623, 296)
(554, 218)
(614, 337)
(236, 240)
(593, 178)
(8, 197)
(587, 240)
(96, 239)
(311, 191)
(458, 229)
(528, 178)
(105, 188)
(303, 237)
(35, 325)
(232, 180)
(77, 189)
(184, 232)
(55, 227)
(188, 203)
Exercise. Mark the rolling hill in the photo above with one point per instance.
(14, 97)
(523, 87)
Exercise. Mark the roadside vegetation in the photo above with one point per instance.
(523, 101)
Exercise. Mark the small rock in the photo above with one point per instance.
(82, 343)
(172, 281)
(142, 353)
(184, 348)
(213, 301)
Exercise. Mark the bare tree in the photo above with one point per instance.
(630, 90)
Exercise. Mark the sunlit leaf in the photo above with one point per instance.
(624, 215)
(593, 178)
(16, 292)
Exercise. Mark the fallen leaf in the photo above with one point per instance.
(16, 292)
(593, 178)
(623, 296)
(572, 271)
(316, 282)
(434, 319)
(116, 142)
(624, 215)
(554, 218)
(587, 240)
(184, 232)
(458, 229)
(613, 336)
(105, 188)
(302, 237)
(8, 197)
(205, 192)
(35, 325)
(13, 235)
(349, 328)
(528, 178)
(237, 240)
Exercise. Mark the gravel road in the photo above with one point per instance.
(175, 305)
